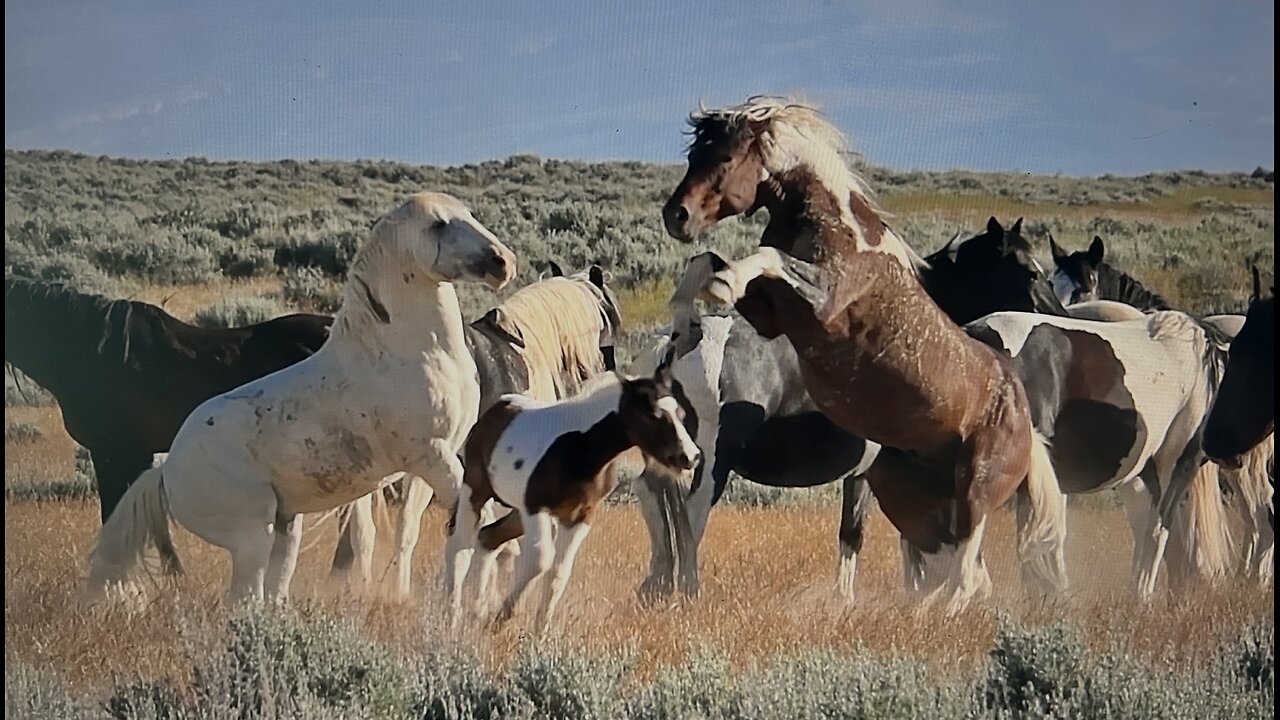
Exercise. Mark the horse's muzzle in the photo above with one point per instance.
(676, 217)
(498, 269)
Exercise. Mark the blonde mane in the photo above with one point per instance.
(561, 321)
(794, 134)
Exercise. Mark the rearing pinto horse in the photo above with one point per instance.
(879, 358)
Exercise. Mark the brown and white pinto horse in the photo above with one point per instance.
(879, 358)
(553, 464)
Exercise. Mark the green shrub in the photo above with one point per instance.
(32, 693)
(310, 289)
(239, 311)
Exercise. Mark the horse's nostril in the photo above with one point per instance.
(682, 214)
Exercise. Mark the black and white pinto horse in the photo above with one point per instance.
(760, 422)
(1101, 291)
(1119, 401)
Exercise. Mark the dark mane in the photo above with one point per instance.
(126, 374)
(1115, 284)
(114, 321)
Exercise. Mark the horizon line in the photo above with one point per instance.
(862, 160)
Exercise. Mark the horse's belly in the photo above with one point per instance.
(802, 450)
(1095, 444)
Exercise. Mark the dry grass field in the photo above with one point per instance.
(767, 590)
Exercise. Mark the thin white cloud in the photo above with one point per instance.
(119, 112)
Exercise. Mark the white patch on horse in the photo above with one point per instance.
(1065, 288)
(671, 407)
(538, 425)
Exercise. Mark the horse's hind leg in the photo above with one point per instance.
(856, 503)
(537, 558)
(114, 471)
(568, 541)
(969, 579)
(284, 557)
(417, 495)
(1138, 508)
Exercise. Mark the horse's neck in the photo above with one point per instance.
(52, 340)
(1121, 287)
(825, 219)
(602, 443)
(405, 318)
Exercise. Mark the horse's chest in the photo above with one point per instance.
(882, 398)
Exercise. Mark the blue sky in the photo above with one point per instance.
(1082, 88)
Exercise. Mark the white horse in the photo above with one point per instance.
(393, 389)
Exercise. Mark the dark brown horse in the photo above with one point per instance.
(126, 374)
(879, 358)
(1244, 411)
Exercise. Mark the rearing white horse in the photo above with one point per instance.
(394, 388)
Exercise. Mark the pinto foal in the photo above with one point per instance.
(553, 464)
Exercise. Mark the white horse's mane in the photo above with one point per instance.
(561, 332)
(794, 133)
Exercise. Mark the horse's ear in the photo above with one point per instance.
(596, 276)
(502, 326)
(555, 269)
(669, 356)
(662, 376)
(1017, 227)
(1096, 251)
(947, 249)
(994, 226)
(1257, 284)
(1056, 250)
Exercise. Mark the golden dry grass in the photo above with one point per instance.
(767, 588)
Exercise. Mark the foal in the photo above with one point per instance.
(552, 463)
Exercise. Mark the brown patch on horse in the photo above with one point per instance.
(508, 527)
(481, 441)
(576, 474)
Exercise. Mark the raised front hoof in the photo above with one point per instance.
(719, 290)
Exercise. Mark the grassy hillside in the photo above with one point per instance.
(118, 225)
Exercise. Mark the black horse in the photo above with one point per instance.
(1084, 275)
(126, 374)
(1244, 412)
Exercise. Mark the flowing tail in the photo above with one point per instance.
(139, 522)
(1042, 523)
(1207, 548)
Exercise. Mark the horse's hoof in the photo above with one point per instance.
(655, 591)
(718, 290)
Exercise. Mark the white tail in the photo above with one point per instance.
(139, 522)
(1042, 523)
(1206, 534)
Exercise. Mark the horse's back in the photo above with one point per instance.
(1104, 310)
(1109, 393)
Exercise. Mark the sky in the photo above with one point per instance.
(1081, 88)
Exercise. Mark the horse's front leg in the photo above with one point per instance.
(728, 283)
(417, 496)
(662, 558)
